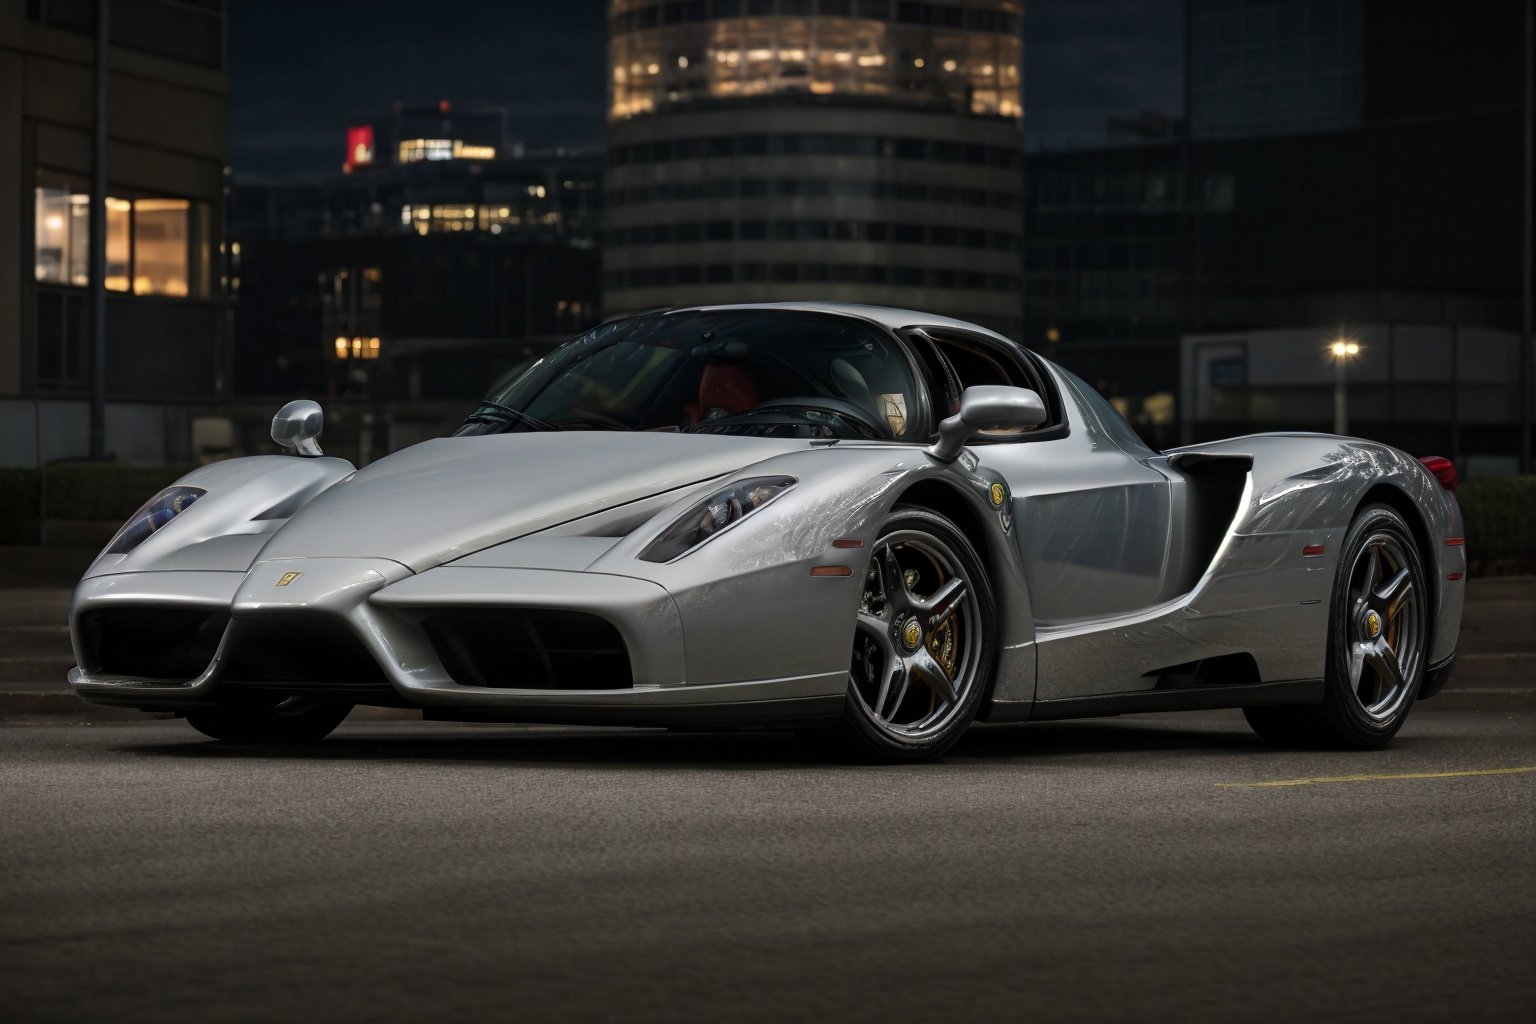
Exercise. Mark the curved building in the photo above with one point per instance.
(855, 150)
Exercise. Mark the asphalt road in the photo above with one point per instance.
(1101, 871)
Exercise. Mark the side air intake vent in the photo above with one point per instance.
(533, 649)
(1216, 485)
(1225, 670)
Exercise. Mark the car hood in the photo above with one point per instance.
(443, 499)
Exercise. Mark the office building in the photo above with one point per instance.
(166, 329)
(1393, 213)
(422, 268)
(856, 150)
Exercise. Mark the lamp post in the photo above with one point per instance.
(1343, 350)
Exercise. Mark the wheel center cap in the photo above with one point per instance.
(912, 634)
(1372, 625)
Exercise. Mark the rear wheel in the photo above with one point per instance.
(288, 721)
(1378, 637)
(923, 645)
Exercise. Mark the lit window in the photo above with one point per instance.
(450, 218)
(360, 347)
(160, 245)
(464, 151)
(119, 235)
(61, 251)
(412, 150)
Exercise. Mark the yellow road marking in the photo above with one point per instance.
(1375, 778)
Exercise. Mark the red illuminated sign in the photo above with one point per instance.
(359, 147)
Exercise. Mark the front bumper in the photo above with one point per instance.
(381, 605)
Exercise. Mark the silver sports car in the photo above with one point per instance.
(873, 526)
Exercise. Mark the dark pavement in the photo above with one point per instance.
(1096, 871)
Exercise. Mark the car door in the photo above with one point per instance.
(1091, 502)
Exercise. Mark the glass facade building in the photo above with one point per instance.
(1387, 211)
(854, 150)
(1268, 67)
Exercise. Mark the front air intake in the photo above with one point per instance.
(529, 649)
(172, 645)
(292, 649)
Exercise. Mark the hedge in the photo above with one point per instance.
(1499, 513)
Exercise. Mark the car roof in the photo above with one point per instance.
(890, 317)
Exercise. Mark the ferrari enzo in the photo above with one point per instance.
(871, 526)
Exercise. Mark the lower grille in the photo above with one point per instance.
(534, 649)
(171, 644)
(294, 649)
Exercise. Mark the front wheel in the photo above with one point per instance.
(1378, 636)
(923, 646)
(288, 721)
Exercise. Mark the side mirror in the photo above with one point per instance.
(296, 426)
(986, 407)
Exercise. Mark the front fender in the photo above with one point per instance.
(750, 606)
(248, 499)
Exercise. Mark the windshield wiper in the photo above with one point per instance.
(495, 412)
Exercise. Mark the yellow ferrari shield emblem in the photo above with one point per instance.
(913, 633)
(998, 494)
(288, 577)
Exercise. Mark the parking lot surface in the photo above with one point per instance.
(1146, 868)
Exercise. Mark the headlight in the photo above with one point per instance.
(715, 513)
(158, 511)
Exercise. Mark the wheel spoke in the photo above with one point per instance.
(1395, 593)
(1388, 670)
(1372, 570)
(932, 673)
(940, 607)
(1357, 655)
(893, 686)
(879, 630)
(892, 581)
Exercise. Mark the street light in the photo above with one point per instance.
(1343, 350)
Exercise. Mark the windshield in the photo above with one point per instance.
(758, 372)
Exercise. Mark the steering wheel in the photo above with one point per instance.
(838, 405)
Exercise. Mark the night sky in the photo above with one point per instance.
(301, 71)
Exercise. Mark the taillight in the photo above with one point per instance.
(1443, 470)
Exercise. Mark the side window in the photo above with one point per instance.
(972, 364)
(1107, 416)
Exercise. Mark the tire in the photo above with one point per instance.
(924, 646)
(1378, 640)
(288, 721)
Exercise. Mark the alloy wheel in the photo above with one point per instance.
(1384, 628)
(917, 648)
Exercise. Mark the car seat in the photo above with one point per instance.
(725, 389)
